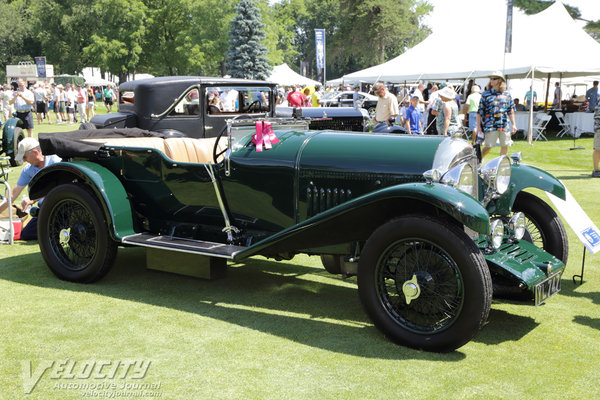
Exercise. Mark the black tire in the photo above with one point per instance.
(73, 235)
(544, 227)
(332, 263)
(86, 126)
(452, 279)
(18, 135)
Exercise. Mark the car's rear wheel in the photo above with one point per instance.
(73, 235)
(424, 283)
(544, 227)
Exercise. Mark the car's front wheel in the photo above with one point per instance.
(73, 235)
(424, 283)
(543, 226)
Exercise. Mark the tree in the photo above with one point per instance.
(116, 41)
(246, 57)
(15, 33)
(210, 32)
(535, 6)
(63, 28)
(168, 34)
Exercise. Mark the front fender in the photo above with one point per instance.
(8, 136)
(356, 219)
(524, 176)
(105, 185)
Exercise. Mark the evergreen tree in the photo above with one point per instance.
(246, 57)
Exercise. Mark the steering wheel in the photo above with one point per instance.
(253, 107)
(216, 152)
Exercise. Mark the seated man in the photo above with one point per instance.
(519, 106)
(29, 150)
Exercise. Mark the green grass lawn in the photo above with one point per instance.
(289, 330)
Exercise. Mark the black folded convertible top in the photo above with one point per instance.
(73, 144)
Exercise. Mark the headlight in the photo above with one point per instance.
(516, 225)
(496, 174)
(497, 228)
(460, 177)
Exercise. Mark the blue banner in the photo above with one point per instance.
(40, 63)
(320, 47)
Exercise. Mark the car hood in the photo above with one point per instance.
(339, 152)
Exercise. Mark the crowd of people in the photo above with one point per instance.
(69, 103)
(488, 116)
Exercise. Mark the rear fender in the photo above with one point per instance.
(8, 136)
(525, 176)
(356, 219)
(104, 184)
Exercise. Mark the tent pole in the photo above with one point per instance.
(531, 104)
(547, 92)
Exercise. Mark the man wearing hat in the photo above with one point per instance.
(29, 150)
(387, 104)
(495, 109)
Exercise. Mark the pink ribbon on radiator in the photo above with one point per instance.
(264, 136)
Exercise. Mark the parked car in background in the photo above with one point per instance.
(430, 234)
(179, 105)
(345, 99)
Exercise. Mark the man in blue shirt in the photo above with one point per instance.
(496, 108)
(413, 117)
(29, 150)
(592, 96)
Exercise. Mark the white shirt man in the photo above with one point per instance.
(387, 104)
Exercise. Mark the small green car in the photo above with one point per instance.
(430, 234)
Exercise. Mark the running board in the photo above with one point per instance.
(199, 247)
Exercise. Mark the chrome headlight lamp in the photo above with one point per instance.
(460, 177)
(497, 235)
(516, 226)
(496, 175)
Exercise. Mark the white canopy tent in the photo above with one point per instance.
(283, 75)
(549, 42)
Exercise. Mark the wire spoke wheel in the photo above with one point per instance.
(437, 277)
(424, 283)
(543, 226)
(73, 236)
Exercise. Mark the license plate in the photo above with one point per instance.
(547, 288)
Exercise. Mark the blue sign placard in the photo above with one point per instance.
(320, 47)
(40, 63)
(592, 236)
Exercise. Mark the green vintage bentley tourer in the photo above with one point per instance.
(429, 233)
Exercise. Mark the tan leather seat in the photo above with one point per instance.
(190, 150)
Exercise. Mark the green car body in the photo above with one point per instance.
(316, 192)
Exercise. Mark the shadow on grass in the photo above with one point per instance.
(570, 289)
(587, 321)
(503, 326)
(281, 299)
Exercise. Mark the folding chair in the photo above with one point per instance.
(540, 126)
(564, 125)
